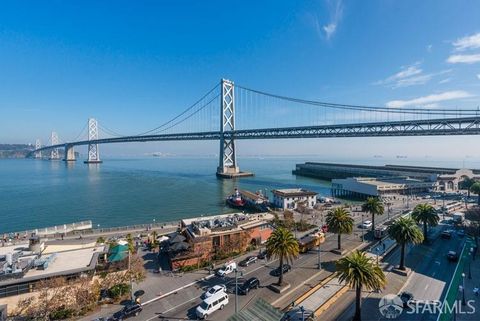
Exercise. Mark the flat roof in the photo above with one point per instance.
(69, 261)
(289, 192)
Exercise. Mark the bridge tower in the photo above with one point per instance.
(38, 145)
(227, 167)
(54, 155)
(69, 153)
(93, 153)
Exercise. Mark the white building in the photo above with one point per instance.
(290, 198)
(370, 186)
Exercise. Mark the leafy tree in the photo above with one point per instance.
(404, 230)
(467, 184)
(100, 240)
(339, 221)
(374, 206)
(475, 188)
(427, 215)
(282, 245)
(359, 271)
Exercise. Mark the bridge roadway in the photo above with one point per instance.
(426, 127)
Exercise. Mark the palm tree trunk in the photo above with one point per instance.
(339, 241)
(402, 257)
(280, 277)
(373, 222)
(425, 232)
(358, 303)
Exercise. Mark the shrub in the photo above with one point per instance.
(118, 290)
(62, 313)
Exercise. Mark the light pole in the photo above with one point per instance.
(363, 232)
(236, 288)
(303, 312)
(377, 249)
(463, 289)
(470, 263)
(319, 264)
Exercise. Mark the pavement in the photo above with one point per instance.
(430, 275)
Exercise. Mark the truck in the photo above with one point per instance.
(380, 232)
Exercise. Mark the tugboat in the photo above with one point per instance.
(235, 200)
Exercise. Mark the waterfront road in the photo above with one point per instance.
(428, 280)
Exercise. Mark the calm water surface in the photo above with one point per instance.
(38, 193)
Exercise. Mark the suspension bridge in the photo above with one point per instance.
(230, 112)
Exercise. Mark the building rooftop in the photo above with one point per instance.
(69, 259)
(291, 192)
(225, 223)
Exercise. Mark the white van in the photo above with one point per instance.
(228, 268)
(212, 304)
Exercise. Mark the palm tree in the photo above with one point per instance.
(427, 215)
(359, 271)
(404, 230)
(282, 245)
(339, 221)
(374, 206)
(467, 184)
(475, 188)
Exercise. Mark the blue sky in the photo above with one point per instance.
(135, 64)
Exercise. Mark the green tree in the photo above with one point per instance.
(282, 245)
(475, 188)
(359, 271)
(374, 206)
(467, 184)
(131, 246)
(404, 230)
(427, 215)
(339, 221)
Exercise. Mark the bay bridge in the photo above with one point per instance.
(230, 112)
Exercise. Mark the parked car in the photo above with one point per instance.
(461, 233)
(446, 234)
(252, 283)
(366, 224)
(296, 314)
(127, 312)
(228, 268)
(249, 260)
(262, 255)
(285, 268)
(214, 290)
(211, 304)
(452, 256)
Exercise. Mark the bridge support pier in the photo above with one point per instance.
(54, 154)
(93, 153)
(38, 145)
(69, 153)
(227, 167)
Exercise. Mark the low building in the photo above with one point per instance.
(292, 197)
(211, 235)
(370, 186)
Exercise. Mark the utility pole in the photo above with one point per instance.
(236, 289)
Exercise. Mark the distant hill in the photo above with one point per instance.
(15, 150)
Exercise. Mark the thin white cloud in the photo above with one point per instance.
(464, 59)
(429, 48)
(409, 76)
(467, 42)
(444, 81)
(478, 76)
(430, 99)
(336, 13)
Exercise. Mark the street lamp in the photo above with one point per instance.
(463, 289)
(303, 312)
(377, 249)
(363, 232)
(470, 263)
(236, 288)
(319, 263)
